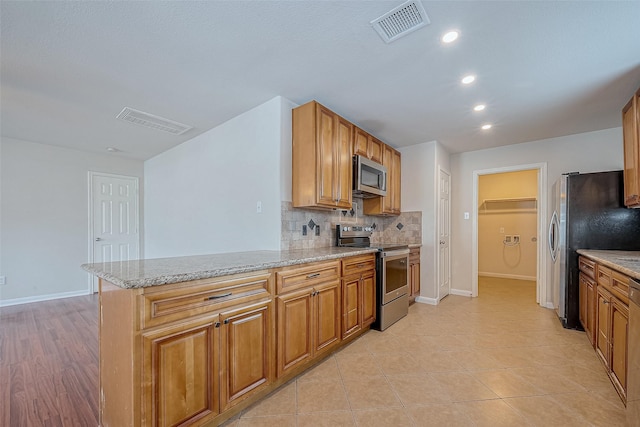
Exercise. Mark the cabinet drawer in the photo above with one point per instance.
(603, 276)
(620, 286)
(358, 264)
(181, 300)
(587, 266)
(297, 278)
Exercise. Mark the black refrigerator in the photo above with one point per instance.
(588, 213)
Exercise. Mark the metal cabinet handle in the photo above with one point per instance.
(312, 276)
(216, 325)
(226, 321)
(218, 296)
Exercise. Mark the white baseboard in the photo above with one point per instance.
(425, 300)
(506, 276)
(548, 305)
(460, 292)
(39, 298)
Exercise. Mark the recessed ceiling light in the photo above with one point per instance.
(479, 107)
(486, 127)
(449, 37)
(468, 79)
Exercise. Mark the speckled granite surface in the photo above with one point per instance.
(627, 262)
(161, 271)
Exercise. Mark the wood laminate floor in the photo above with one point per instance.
(495, 360)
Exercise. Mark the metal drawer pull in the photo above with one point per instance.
(218, 296)
(312, 276)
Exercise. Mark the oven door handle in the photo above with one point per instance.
(394, 254)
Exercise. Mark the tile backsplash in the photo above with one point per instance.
(405, 228)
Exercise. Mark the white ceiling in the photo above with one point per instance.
(544, 68)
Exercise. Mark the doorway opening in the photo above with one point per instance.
(508, 229)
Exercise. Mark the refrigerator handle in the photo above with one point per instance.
(553, 236)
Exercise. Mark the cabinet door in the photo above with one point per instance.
(591, 311)
(415, 279)
(360, 142)
(582, 300)
(180, 383)
(246, 356)
(395, 181)
(387, 160)
(602, 322)
(344, 164)
(351, 302)
(631, 140)
(368, 298)
(294, 329)
(326, 325)
(326, 158)
(375, 149)
(618, 339)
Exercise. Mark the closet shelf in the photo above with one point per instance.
(511, 204)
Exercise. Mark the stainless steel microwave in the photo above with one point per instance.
(369, 178)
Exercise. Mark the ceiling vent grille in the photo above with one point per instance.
(401, 21)
(154, 122)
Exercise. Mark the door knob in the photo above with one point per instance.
(442, 242)
(98, 239)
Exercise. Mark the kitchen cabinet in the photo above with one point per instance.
(612, 319)
(184, 353)
(358, 294)
(322, 158)
(367, 145)
(631, 141)
(414, 274)
(308, 313)
(587, 297)
(389, 204)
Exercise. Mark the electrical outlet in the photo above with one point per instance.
(3, 280)
(317, 230)
(304, 230)
(516, 238)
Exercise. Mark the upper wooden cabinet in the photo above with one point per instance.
(367, 145)
(321, 153)
(389, 204)
(631, 136)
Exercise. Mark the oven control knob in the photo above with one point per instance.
(368, 229)
(345, 228)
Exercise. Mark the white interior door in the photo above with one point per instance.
(444, 232)
(114, 232)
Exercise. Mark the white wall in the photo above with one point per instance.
(200, 197)
(587, 152)
(420, 193)
(44, 217)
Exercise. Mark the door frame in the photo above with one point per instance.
(92, 285)
(441, 169)
(541, 267)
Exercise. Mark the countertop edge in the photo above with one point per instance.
(218, 272)
(611, 260)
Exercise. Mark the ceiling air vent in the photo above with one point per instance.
(155, 122)
(401, 21)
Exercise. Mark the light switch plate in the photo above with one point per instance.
(3, 280)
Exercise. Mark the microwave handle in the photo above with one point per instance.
(383, 184)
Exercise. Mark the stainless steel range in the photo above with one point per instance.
(392, 273)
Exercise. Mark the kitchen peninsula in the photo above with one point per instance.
(194, 340)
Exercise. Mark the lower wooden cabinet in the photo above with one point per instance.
(308, 323)
(197, 369)
(246, 352)
(358, 302)
(180, 373)
(604, 314)
(414, 274)
(587, 297)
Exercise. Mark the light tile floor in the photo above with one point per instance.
(495, 360)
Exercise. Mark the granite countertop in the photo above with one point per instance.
(627, 262)
(160, 271)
